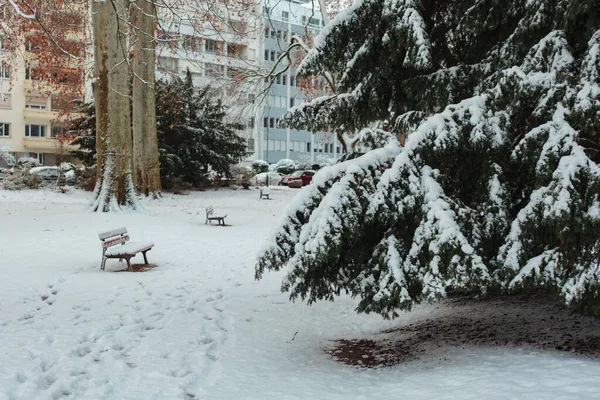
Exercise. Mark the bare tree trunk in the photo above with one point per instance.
(145, 141)
(114, 185)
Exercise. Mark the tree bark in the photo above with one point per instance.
(145, 141)
(114, 185)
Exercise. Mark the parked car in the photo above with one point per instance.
(274, 178)
(50, 174)
(304, 176)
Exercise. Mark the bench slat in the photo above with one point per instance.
(130, 248)
(114, 232)
(112, 242)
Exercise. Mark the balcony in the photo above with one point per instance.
(39, 144)
(34, 114)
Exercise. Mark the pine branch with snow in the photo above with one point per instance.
(498, 185)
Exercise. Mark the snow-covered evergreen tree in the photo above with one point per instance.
(84, 126)
(5, 154)
(193, 133)
(497, 187)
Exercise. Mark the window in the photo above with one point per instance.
(251, 144)
(284, 80)
(251, 123)
(58, 130)
(278, 80)
(266, 55)
(214, 69)
(5, 102)
(285, 15)
(238, 26)
(266, 122)
(292, 80)
(167, 64)
(37, 156)
(273, 53)
(35, 130)
(279, 34)
(308, 147)
(271, 122)
(337, 149)
(30, 73)
(292, 102)
(4, 129)
(212, 46)
(5, 71)
(35, 103)
(35, 106)
(190, 43)
(314, 22)
(235, 50)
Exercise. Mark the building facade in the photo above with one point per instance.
(280, 21)
(38, 83)
(216, 54)
(249, 46)
(226, 56)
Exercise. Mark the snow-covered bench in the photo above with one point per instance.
(114, 245)
(210, 216)
(265, 192)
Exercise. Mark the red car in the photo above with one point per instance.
(304, 176)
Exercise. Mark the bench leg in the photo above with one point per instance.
(103, 263)
(128, 264)
(145, 259)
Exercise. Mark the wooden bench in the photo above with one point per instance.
(265, 192)
(210, 216)
(114, 245)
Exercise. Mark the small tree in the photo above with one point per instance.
(193, 133)
(5, 155)
(260, 166)
(285, 166)
(84, 127)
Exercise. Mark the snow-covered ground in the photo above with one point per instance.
(198, 326)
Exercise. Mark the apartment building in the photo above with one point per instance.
(217, 54)
(218, 51)
(280, 21)
(250, 41)
(33, 96)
